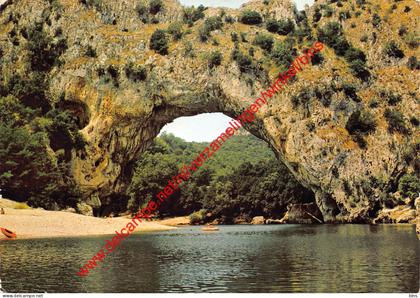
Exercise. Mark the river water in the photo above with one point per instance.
(282, 258)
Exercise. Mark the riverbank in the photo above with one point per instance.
(39, 223)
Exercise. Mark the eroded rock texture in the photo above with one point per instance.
(120, 116)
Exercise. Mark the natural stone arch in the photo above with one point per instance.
(122, 117)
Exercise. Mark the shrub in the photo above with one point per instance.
(229, 19)
(203, 34)
(352, 54)
(317, 15)
(243, 37)
(402, 30)
(373, 103)
(414, 121)
(155, 6)
(213, 23)
(396, 121)
(364, 38)
(359, 70)
(142, 13)
(328, 11)
(215, 59)
(192, 14)
(350, 91)
(189, 49)
(250, 17)
(159, 42)
(407, 9)
(411, 40)
(272, 25)
(198, 217)
(90, 52)
(409, 186)
(362, 122)
(340, 46)
(344, 15)
(317, 59)
(234, 37)
(376, 20)
(135, 73)
(285, 27)
(359, 124)
(390, 97)
(329, 33)
(281, 55)
(264, 41)
(412, 63)
(392, 50)
(175, 29)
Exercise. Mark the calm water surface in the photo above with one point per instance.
(285, 258)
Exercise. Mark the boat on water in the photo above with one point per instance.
(8, 233)
(210, 228)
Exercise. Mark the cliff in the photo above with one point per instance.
(347, 131)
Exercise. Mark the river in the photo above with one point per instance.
(243, 258)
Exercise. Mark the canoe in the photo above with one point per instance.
(8, 233)
(210, 229)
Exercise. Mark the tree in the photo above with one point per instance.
(159, 42)
(281, 55)
(250, 17)
(285, 27)
(264, 41)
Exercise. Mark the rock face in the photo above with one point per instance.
(303, 214)
(258, 220)
(120, 116)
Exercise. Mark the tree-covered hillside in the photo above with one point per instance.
(241, 180)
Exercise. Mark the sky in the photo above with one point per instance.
(207, 127)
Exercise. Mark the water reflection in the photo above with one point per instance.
(287, 258)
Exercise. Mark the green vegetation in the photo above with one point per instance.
(250, 17)
(376, 20)
(241, 180)
(391, 49)
(91, 52)
(391, 97)
(332, 35)
(215, 59)
(282, 27)
(412, 63)
(264, 41)
(155, 6)
(361, 123)
(135, 73)
(175, 29)
(409, 186)
(328, 11)
(210, 24)
(159, 42)
(396, 121)
(281, 55)
(191, 14)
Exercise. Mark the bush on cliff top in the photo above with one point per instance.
(250, 17)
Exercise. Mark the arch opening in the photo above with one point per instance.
(241, 181)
